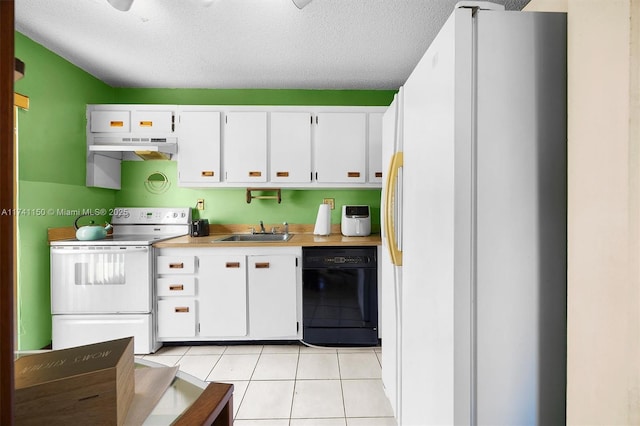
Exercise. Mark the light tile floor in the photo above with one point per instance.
(291, 385)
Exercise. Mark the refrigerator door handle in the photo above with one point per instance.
(397, 161)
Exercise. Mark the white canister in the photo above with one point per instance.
(323, 220)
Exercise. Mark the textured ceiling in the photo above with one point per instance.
(329, 44)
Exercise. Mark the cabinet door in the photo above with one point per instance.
(199, 147)
(375, 147)
(340, 150)
(222, 295)
(290, 158)
(152, 122)
(110, 122)
(177, 317)
(272, 296)
(245, 147)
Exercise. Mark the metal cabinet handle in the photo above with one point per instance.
(146, 124)
(207, 173)
(282, 174)
(181, 309)
(255, 174)
(176, 265)
(116, 124)
(176, 287)
(262, 265)
(232, 264)
(353, 174)
(378, 174)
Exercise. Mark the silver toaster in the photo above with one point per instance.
(356, 221)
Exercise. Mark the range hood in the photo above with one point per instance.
(120, 131)
(147, 148)
(117, 132)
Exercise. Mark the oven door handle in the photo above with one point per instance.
(127, 250)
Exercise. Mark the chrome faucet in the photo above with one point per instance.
(274, 229)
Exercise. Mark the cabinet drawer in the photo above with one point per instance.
(177, 317)
(176, 286)
(176, 264)
(110, 122)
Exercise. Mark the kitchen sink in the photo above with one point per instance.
(237, 238)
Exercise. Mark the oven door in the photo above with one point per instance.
(101, 279)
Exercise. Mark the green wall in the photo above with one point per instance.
(255, 97)
(225, 206)
(50, 173)
(51, 168)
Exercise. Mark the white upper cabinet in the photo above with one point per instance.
(152, 120)
(144, 121)
(290, 157)
(340, 147)
(374, 147)
(108, 121)
(245, 147)
(240, 146)
(199, 147)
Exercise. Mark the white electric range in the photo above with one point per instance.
(103, 289)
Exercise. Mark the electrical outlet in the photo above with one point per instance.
(200, 204)
(330, 201)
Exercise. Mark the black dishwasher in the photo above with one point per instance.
(340, 296)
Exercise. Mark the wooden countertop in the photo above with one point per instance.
(302, 237)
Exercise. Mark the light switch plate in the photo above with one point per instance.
(200, 204)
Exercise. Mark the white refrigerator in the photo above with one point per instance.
(474, 225)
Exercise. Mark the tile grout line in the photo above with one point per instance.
(214, 364)
(248, 382)
(344, 408)
(254, 367)
(295, 383)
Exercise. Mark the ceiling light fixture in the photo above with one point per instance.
(123, 5)
(301, 3)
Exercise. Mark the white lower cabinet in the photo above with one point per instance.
(222, 292)
(177, 317)
(272, 296)
(231, 294)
